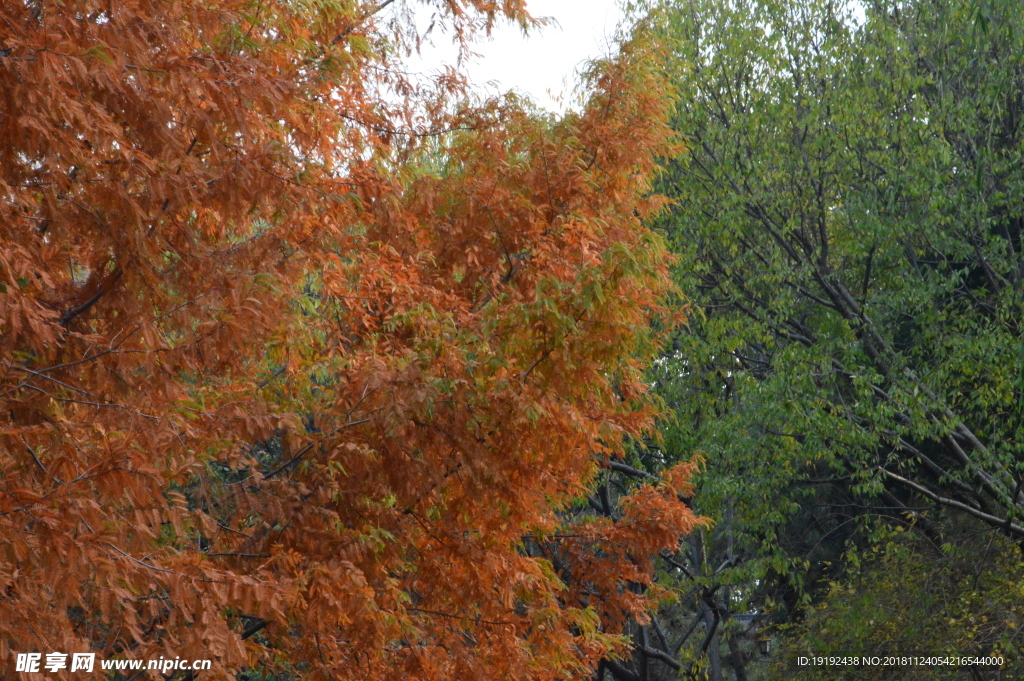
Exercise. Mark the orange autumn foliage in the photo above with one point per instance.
(300, 357)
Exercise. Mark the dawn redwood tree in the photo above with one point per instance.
(303, 361)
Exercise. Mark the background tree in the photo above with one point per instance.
(903, 593)
(282, 389)
(848, 224)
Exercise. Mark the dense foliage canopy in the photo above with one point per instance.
(323, 370)
(848, 220)
(304, 359)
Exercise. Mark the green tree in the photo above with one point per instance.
(903, 596)
(848, 224)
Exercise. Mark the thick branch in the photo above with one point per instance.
(995, 521)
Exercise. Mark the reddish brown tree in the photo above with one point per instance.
(298, 357)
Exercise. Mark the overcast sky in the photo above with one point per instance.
(547, 60)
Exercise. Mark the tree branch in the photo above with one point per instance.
(995, 521)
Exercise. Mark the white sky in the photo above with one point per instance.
(546, 61)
